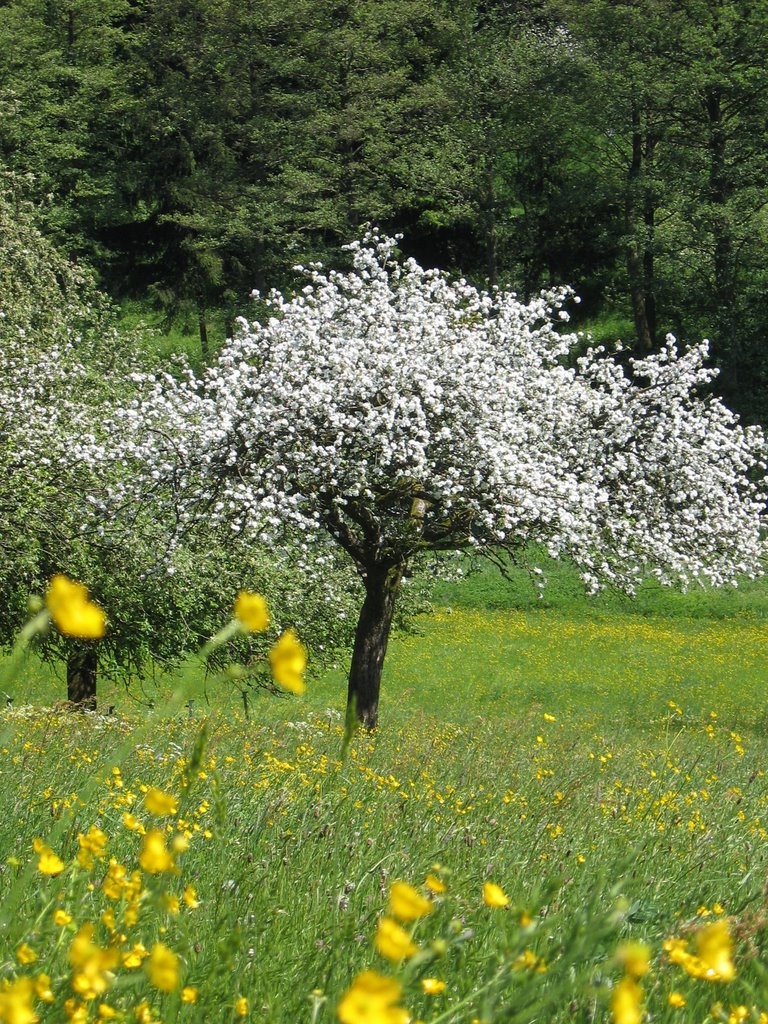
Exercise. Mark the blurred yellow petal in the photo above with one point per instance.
(288, 659)
(71, 610)
(251, 612)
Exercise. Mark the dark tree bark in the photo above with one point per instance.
(81, 678)
(382, 583)
(202, 324)
(640, 262)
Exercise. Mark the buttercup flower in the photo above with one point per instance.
(72, 612)
(155, 856)
(163, 968)
(159, 803)
(251, 612)
(432, 986)
(627, 1002)
(394, 942)
(494, 895)
(372, 999)
(406, 903)
(288, 659)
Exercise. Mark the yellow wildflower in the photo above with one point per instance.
(155, 856)
(432, 986)
(714, 948)
(77, 1013)
(72, 612)
(372, 999)
(25, 954)
(49, 862)
(529, 961)
(241, 1007)
(160, 803)
(635, 958)
(107, 1012)
(288, 659)
(132, 822)
(135, 956)
(494, 895)
(251, 612)
(627, 1002)
(43, 989)
(93, 965)
(16, 1002)
(394, 942)
(163, 968)
(61, 918)
(190, 897)
(171, 903)
(91, 845)
(189, 994)
(407, 903)
(676, 999)
(435, 884)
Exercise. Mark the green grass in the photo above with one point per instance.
(601, 761)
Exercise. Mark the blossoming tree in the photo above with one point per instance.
(63, 366)
(395, 411)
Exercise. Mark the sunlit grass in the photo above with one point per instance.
(604, 766)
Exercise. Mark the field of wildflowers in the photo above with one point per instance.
(564, 817)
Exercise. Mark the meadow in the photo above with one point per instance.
(572, 789)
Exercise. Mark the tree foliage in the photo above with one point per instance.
(394, 412)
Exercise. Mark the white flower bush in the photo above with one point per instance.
(396, 411)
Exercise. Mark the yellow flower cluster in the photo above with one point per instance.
(714, 950)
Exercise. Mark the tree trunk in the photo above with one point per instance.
(202, 324)
(371, 637)
(81, 678)
(640, 261)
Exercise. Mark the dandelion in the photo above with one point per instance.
(159, 803)
(394, 942)
(241, 1007)
(406, 903)
(288, 659)
(163, 968)
(251, 612)
(72, 612)
(372, 999)
(494, 895)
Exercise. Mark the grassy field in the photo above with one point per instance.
(602, 762)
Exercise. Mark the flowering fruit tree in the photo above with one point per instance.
(396, 411)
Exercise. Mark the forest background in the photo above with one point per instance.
(193, 150)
